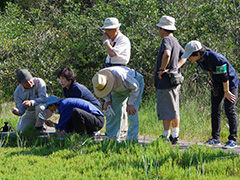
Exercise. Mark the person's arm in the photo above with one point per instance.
(106, 42)
(227, 94)
(181, 62)
(18, 99)
(41, 91)
(165, 60)
(132, 84)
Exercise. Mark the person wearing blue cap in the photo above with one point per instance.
(76, 115)
(224, 88)
(29, 98)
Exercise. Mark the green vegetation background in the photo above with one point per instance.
(46, 35)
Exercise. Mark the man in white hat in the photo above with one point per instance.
(119, 85)
(117, 45)
(118, 48)
(167, 93)
(224, 82)
(30, 97)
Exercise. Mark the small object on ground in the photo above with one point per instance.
(230, 144)
(213, 142)
(6, 127)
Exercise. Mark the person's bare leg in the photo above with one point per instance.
(166, 126)
(175, 127)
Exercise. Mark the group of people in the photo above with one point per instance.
(121, 88)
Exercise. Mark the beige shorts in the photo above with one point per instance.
(168, 103)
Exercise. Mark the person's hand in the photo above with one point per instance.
(106, 105)
(160, 73)
(15, 111)
(230, 96)
(105, 36)
(27, 103)
(131, 109)
(49, 123)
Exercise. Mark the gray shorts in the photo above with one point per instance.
(168, 103)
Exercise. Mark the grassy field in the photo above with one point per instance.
(76, 157)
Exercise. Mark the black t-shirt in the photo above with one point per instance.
(168, 43)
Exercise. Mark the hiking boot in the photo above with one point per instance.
(230, 144)
(174, 140)
(213, 142)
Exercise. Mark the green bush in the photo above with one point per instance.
(48, 35)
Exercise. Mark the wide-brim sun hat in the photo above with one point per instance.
(167, 22)
(111, 23)
(103, 83)
(191, 47)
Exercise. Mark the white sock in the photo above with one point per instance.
(175, 132)
(166, 133)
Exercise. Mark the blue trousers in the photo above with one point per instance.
(119, 100)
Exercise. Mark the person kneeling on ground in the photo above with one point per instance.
(29, 97)
(76, 115)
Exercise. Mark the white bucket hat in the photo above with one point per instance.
(103, 83)
(111, 23)
(191, 47)
(167, 22)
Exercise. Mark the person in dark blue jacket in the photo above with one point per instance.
(72, 89)
(76, 115)
(225, 82)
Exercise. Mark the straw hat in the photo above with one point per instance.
(167, 22)
(103, 83)
(191, 47)
(111, 23)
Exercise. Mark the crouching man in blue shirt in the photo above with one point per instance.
(224, 88)
(76, 115)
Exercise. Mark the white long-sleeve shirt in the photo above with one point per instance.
(37, 95)
(124, 80)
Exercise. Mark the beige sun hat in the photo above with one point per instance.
(111, 23)
(167, 22)
(103, 83)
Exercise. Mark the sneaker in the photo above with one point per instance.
(230, 144)
(174, 140)
(213, 142)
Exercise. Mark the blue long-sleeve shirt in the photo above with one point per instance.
(77, 90)
(65, 110)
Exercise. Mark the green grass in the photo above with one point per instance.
(76, 157)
